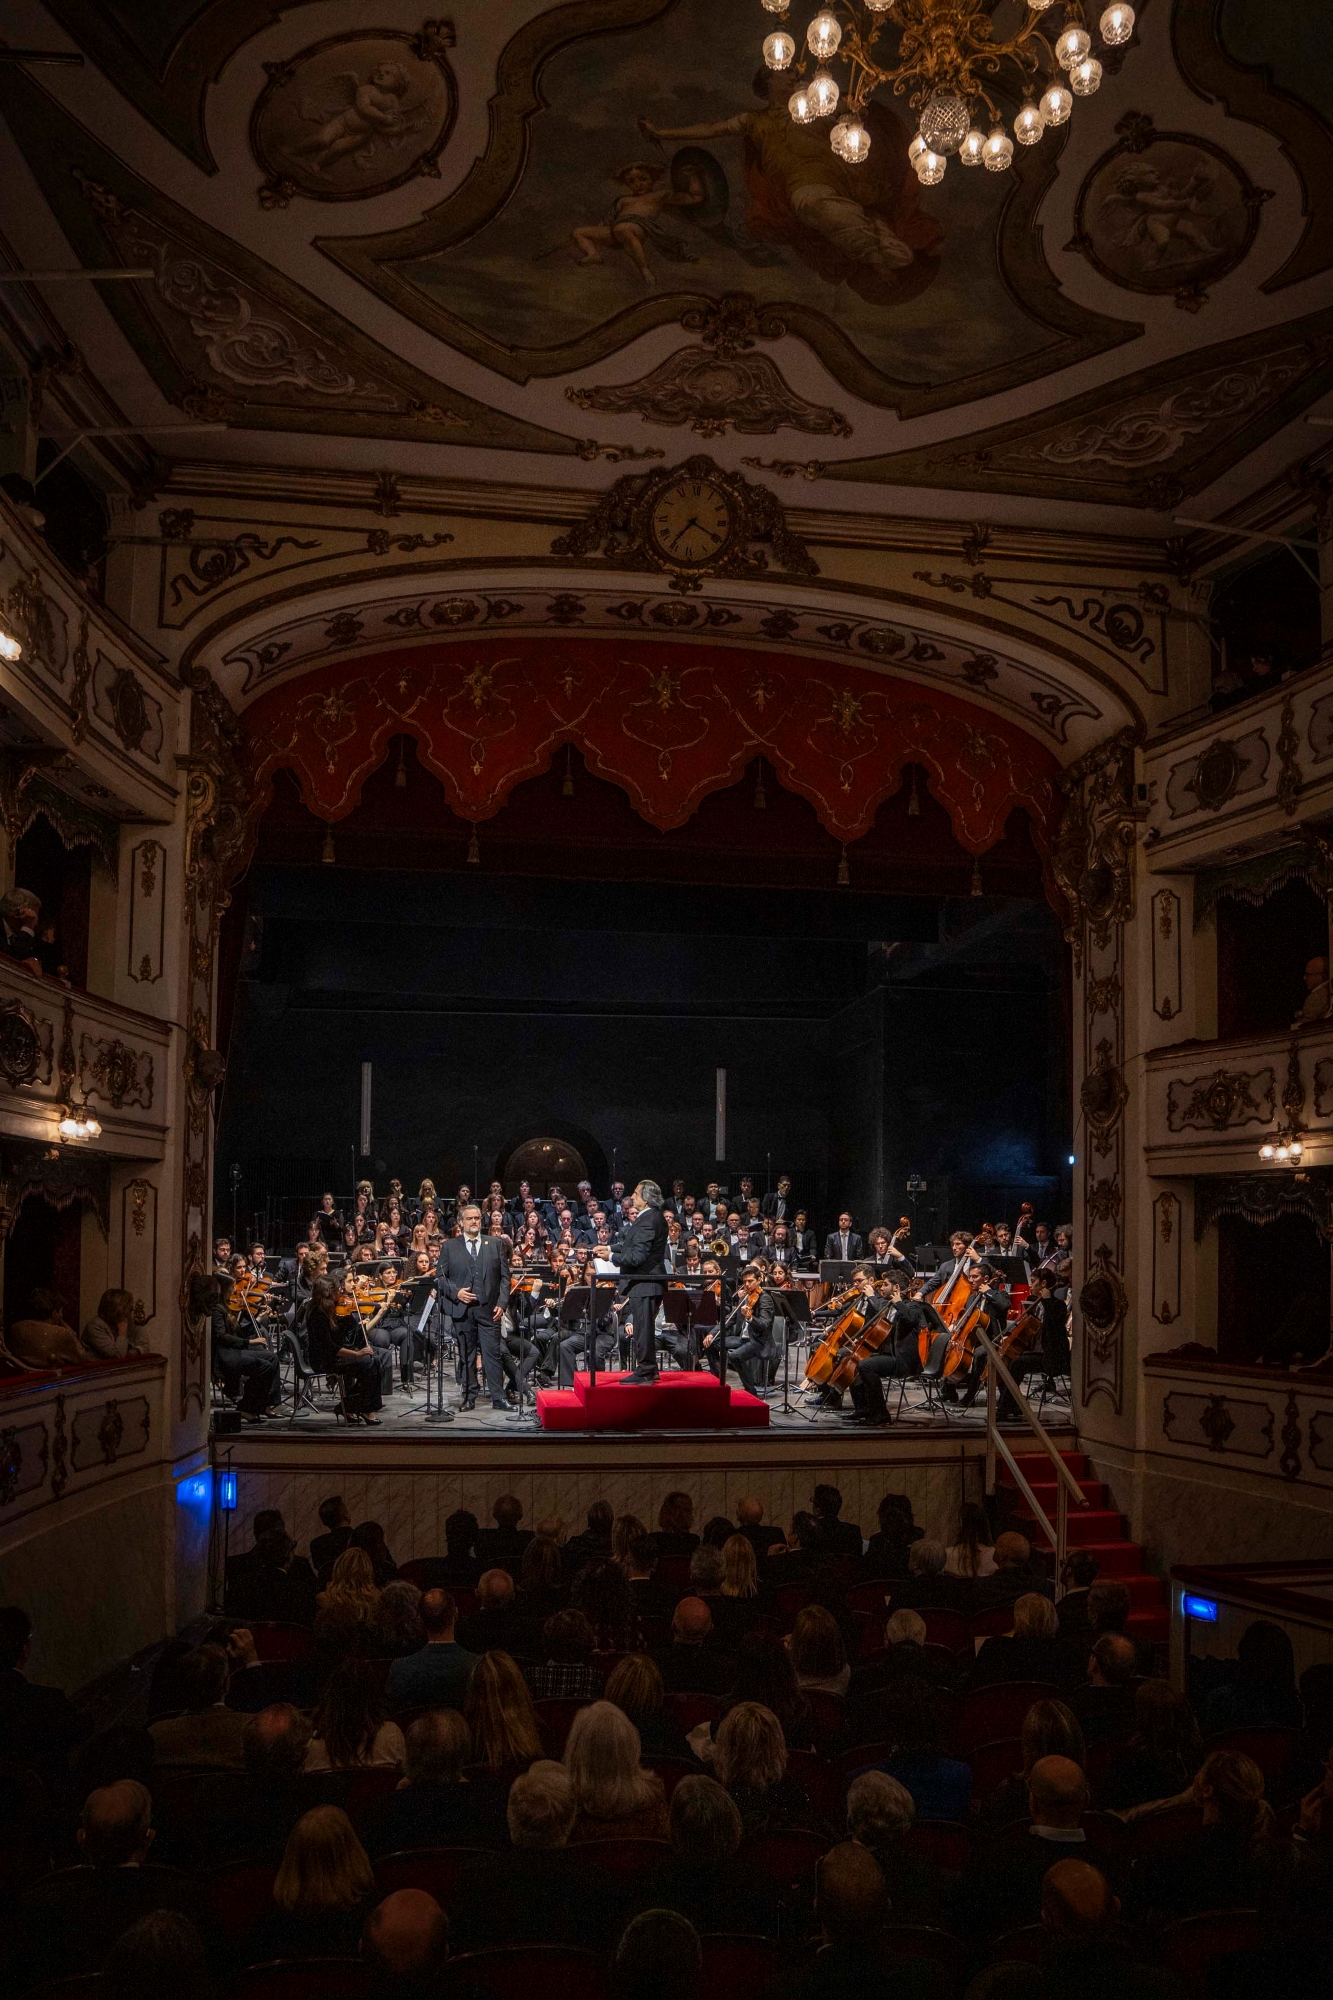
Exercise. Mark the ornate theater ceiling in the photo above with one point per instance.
(364, 224)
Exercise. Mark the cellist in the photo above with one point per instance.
(984, 1280)
(898, 1356)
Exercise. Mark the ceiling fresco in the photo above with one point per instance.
(497, 230)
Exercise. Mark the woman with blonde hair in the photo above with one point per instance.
(740, 1572)
(616, 1799)
(1232, 1862)
(635, 1685)
(351, 1598)
(1050, 1729)
(321, 1894)
(500, 1715)
(750, 1760)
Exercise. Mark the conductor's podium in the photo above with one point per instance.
(676, 1401)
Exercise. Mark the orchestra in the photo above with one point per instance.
(520, 1289)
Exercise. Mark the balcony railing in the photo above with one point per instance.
(1211, 1105)
(64, 1431)
(61, 1048)
(1272, 1423)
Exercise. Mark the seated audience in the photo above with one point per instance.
(1080, 1573)
(322, 1894)
(42, 1338)
(111, 1334)
(1033, 1653)
(818, 1656)
(903, 1657)
(929, 1587)
(1050, 1729)
(635, 1686)
(835, 1536)
(1161, 1758)
(1084, 1956)
(650, 1598)
(436, 1805)
(400, 1631)
(887, 1550)
(738, 1606)
(566, 1673)
(658, 1958)
(718, 1532)
(505, 1544)
(941, 1787)
(38, 1725)
(405, 1944)
(614, 1797)
(541, 1591)
(852, 1908)
(1013, 1576)
(1233, 1862)
(763, 1672)
(750, 1761)
(1001, 1889)
(500, 1716)
(249, 1819)
(209, 1734)
(692, 1663)
(675, 1526)
(351, 1725)
(496, 1622)
(702, 1881)
(437, 1674)
(534, 1892)
(325, 1549)
(370, 1537)
(800, 1559)
(594, 1544)
(601, 1592)
(750, 1523)
(349, 1604)
(459, 1567)
(276, 1584)
(706, 1570)
(162, 1955)
(880, 1815)
(973, 1554)
(1262, 1694)
(1105, 1704)
(1109, 1606)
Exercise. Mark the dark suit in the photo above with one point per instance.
(755, 1343)
(640, 1255)
(780, 1206)
(834, 1252)
(325, 1549)
(807, 1247)
(477, 1321)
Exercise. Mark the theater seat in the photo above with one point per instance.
(987, 1713)
(1273, 1750)
(783, 1859)
(821, 1779)
(738, 1968)
(277, 1641)
(948, 1628)
(239, 1894)
(947, 1842)
(555, 1718)
(304, 1979)
(619, 1860)
(1190, 1947)
(434, 1869)
(687, 1711)
(519, 1971)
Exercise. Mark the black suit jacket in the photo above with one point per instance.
(487, 1275)
(325, 1549)
(640, 1253)
(807, 1245)
(782, 1206)
(834, 1252)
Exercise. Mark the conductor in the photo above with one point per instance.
(640, 1255)
(472, 1282)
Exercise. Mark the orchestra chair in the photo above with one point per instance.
(434, 1869)
(302, 1382)
(820, 1778)
(994, 1763)
(238, 1894)
(517, 1971)
(739, 1967)
(304, 1979)
(687, 1711)
(947, 1842)
(555, 1719)
(931, 1378)
(1190, 1948)
(985, 1713)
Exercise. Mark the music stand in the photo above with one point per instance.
(678, 1311)
(787, 1307)
(836, 1271)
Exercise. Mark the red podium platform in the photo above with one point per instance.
(677, 1401)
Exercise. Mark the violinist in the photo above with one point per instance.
(897, 1358)
(339, 1347)
(258, 1264)
(753, 1342)
(389, 1328)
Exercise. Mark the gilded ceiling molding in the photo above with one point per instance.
(224, 334)
(1148, 440)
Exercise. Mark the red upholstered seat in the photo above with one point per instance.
(1190, 1947)
(739, 1968)
(239, 1894)
(988, 1713)
(275, 1641)
(518, 1972)
(434, 1869)
(304, 1979)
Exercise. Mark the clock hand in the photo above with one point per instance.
(702, 529)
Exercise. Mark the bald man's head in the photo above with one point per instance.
(1076, 1901)
(692, 1622)
(750, 1511)
(1057, 1793)
(114, 1828)
(406, 1936)
(852, 1895)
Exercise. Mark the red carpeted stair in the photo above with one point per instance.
(677, 1401)
(1099, 1529)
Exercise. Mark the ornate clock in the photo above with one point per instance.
(690, 523)
(692, 520)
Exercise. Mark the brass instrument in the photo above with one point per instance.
(720, 1247)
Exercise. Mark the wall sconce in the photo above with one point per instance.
(11, 649)
(1284, 1149)
(79, 1124)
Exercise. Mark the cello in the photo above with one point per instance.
(959, 1306)
(853, 1335)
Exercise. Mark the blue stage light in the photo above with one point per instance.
(227, 1492)
(196, 1491)
(1202, 1608)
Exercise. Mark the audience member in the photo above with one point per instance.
(835, 1536)
(504, 1545)
(325, 1549)
(1050, 1729)
(941, 1787)
(601, 1592)
(111, 1334)
(1001, 1890)
(1161, 1758)
(750, 1523)
(929, 1587)
(1262, 1694)
(635, 1686)
(500, 1716)
(541, 1591)
(650, 1598)
(42, 1338)
(405, 1944)
(702, 1881)
(594, 1544)
(400, 1632)
(800, 1559)
(1013, 1576)
(880, 1814)
(658, 1958)
(614, 1797)
(275, 1584)
(973, 1554)
(370, 1537)
(762, 1671)
(887, 1550)
(566, 1673)
(718, 1532)
(249, 1819)
(435, 1805)
(851, 1910)
(1109, 1606)
(1033, 1653)
(38, 1725)
(534, 1892)
(496, 1622)
(750, 1761)
(351, 1725)
(1105, 1706)
(322, 1894)
(162, 1955)
(675, 1525)
(209, 1735)
(350, 1602)
(706, 1570)
(1080, 1573)
(691, 1664)
(459, 1567)
(437, 1674)
(1232, 1862)
(818, 1656)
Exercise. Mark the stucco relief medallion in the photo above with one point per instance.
(356, 115)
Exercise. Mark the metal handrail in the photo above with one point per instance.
(1066, 1484)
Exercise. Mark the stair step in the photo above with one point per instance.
(1091, 1524)
(1046, 1490)
(1117, 1559)
(1154, 1626)
(1036, 1463)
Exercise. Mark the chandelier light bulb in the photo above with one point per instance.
(850, 140)
(1072, 46)
(776, 6)
(1085, 77)
(973, 149)
(930, 168)
(1039, 6)
(1029, 125)
(998, 151)
(10, 648)
(824, 94)
(1294, 1151)
(92, 1126)
(779, 48)
(916, 149)
(823, 35)
(801, 106)
(1117, 24)
(944, 122)
(1056, 104)
(1266, 1150)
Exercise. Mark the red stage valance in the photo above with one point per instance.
(669, 724)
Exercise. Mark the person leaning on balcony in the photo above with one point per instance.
(1318, 1002)
(111, 1334)
(19, 913)
(41, 1339)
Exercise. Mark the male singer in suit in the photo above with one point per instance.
(640, 1254)
(843, 1245)
(780, 1205)
(472, 1283)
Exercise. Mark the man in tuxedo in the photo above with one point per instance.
(676, 1205)
(843, 1245)
(805, 1241)
(472, 1283)
(640, 1255)
(779, 1205)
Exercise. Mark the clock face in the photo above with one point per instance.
(690, 523)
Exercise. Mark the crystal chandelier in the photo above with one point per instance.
(946, 52)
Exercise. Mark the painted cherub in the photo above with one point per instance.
(353, 115)
(635, 219)
(1160, 214)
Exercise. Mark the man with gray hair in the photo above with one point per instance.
(640, 1255)
(880, 1814)
(929, 1586)
(534, 1892)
